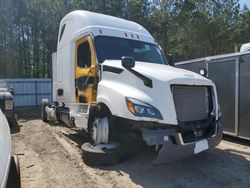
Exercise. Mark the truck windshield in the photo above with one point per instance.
(114, 48)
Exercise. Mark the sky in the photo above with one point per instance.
(247, 2)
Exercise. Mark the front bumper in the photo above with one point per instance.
(172, 146)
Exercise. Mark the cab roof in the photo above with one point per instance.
(80, 21)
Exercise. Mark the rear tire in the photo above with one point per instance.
(14, 180)
(102, 154)
(45, 102)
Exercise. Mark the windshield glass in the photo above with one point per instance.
(114, 48)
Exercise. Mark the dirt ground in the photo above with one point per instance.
(49, 156)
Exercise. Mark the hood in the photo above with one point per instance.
(159, 72)
(6, 96)
(146, 82)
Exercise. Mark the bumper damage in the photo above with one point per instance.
(171, 146)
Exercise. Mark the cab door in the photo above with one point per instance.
(85, 71)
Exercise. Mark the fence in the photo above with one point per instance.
(30, 92)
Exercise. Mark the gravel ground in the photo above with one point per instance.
(49, 156)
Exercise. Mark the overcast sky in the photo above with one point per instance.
(247, 2)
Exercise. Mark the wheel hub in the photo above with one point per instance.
(100, 130)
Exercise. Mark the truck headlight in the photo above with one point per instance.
(8, 105)
(141, 109)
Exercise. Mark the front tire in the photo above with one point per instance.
(99, 125)
(101, 151)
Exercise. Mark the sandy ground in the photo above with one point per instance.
(50, 157)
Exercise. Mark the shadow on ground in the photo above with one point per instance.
(28, 113)
(15, 129)
(213, 168)
(237, 140)
(79, 138)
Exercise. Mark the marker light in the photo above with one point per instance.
(130, 106)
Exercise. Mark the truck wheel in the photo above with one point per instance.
(44, 116)
(14, 180)
(99, 125)
(101, 154)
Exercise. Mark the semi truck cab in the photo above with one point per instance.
(245, 47)
(110, 77)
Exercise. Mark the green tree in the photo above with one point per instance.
(188, 29)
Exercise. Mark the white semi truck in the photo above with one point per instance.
(245, 47)
(111, 78)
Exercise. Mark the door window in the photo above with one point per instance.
(85, 71)
(84, 55)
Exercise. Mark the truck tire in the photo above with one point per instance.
(14, 179)
(101, 155)
(44, 116)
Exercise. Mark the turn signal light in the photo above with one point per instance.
(130, 106)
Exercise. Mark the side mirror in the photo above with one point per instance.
(170, 60)
(128, 62)
(12, 91)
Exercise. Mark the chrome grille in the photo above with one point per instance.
(192, 103)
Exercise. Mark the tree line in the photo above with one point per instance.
(186, 28)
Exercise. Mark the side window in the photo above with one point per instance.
(84, 55)
(62, 31)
